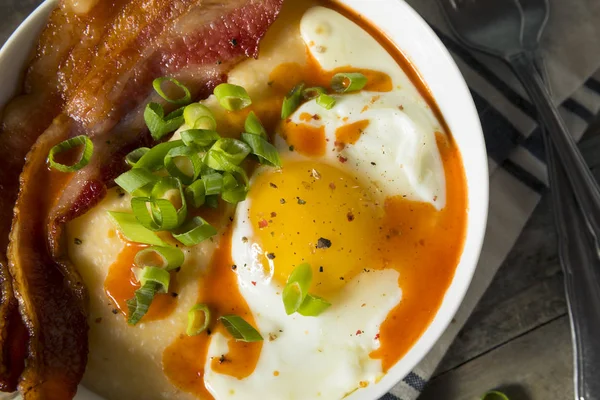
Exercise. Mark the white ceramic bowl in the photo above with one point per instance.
(411, 34)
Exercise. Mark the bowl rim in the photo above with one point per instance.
(478, 195)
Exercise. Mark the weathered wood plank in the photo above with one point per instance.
(527, 290)
(534, 366)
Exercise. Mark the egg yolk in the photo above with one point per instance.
(314, 213)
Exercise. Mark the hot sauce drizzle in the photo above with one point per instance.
(184, 360)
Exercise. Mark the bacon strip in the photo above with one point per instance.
(196, 41)
(59, 64)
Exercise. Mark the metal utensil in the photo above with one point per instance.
(510, 30)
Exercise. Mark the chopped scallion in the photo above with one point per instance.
(139, 305)
(198, 116)
(254, 126)
(348, 82)
(186, 154)
(232, 97)
(133, 231)
(198, 319)
(132, 158)
(292, 101)
(84, 158)
(240, 329)
(157, 275)
(154, 159)
(170, 188)
(137, 181)
(494, 395)
(326, 101)
(313, 92)
(296, 288)
(185, 99)
(227, 151)
(200, 138)
(194, 231)
(265, 151)
(162, 215)
(158, 124)
(168, 257)
(196, 194)
(313, 306)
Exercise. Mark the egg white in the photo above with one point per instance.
(328, 356)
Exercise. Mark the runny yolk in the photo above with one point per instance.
(120, 285)
(315, 213)
(183, 361)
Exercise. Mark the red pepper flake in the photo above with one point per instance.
(401, 107)
(363, 304)
(377, 337)
(342, 159)
(332, 186)
(254, 283)
(263, 223)
(350, 216)
(316, 117)
(359, 332)
(273, 214)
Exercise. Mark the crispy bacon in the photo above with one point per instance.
(195, 41)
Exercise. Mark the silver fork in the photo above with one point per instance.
(510, 30)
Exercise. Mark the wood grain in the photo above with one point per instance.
(535, 366)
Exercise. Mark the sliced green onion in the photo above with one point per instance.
(233, 151)
(84, 159)
(200, 138)
(133, 231)
(185, 99)
(313, 92)
(326, 101)
(196, 194)
(494, 395)
(137, 181)
(154, 159)
(213, 183)
(348, 82)
(158, 124)
(240, 329)
(154, 274)
(198, 116)
(198, 319)
(253, 125)
(162, 215)
(171, 189)
(232, 97)
(210, 184)
(189, 155)
(292, 101)
(265, 151)
(296, 288)
(212, 201)
(170, 257)
(313, 306)
(233, 192)
(194, 231)
(132, 158)
(139, 305)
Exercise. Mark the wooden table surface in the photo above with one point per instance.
(518, 338)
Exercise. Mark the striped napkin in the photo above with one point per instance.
(514, 143)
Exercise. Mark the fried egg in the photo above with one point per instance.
(325, 207)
